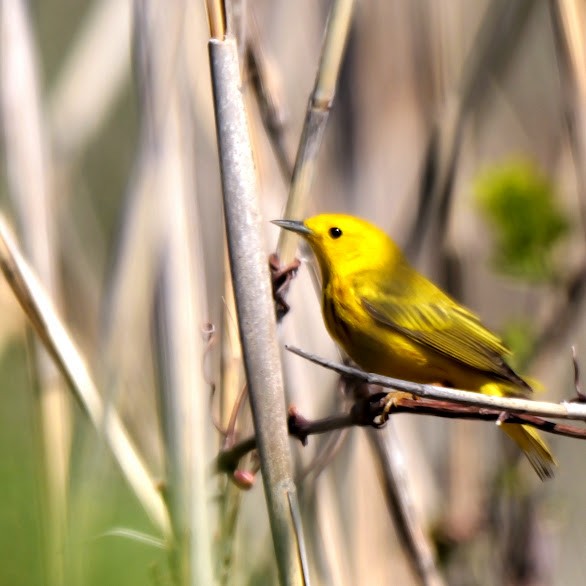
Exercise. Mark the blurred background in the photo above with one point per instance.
(458, 127)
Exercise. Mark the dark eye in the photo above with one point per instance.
(335, 232)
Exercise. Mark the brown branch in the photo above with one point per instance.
(512, 405)
(370, 412)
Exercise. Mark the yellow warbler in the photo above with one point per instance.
(393, 321)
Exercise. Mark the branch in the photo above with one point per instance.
(316, 117)
(370, 411)
(565, 410)
(373, 410)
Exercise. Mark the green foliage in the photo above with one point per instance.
(99, 500)
(520, 204)
(21, 554)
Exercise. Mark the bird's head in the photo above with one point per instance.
(344, 244)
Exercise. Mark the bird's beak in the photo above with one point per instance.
(293, 226)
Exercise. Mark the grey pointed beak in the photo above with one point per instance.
(293, 226)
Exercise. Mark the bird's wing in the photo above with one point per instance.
(417, 309)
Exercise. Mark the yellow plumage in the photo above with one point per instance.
(391, 320)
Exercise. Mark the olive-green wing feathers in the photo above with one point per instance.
(423, 313)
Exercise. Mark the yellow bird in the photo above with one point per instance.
(393, 321)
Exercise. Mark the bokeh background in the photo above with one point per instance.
(458, 127)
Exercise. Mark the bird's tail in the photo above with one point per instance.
(536, 450)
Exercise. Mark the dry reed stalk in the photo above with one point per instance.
(568, 19)
(265, 81)
(30, 182)
(232, 369)
(60, 345)
(255, 306)
(184, 392)
(316, 117)
(91, 79)
(216, 11)
(174, 231)
(231, 386)
(497, 37)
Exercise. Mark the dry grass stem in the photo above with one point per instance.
(568, 20)
(163, 213)
(184, 392)
(92, 77)
(496, 38)
(217, 18)
(316, 117)
(254, 304)
(30, 182)
(265, 81)
(60, 345)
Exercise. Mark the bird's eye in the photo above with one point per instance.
(335, 232)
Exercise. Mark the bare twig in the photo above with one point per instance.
(368, 412)
(566, 410)
(580, 395)
(316, 117)
(262, 79)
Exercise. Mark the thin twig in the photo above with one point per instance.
(263, 81)
(566, 410)
(368, 413)
(316, 117)
(580, 396)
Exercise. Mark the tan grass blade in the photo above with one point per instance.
(60, 345)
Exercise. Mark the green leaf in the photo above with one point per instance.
(520, 205)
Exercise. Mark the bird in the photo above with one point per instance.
(393, 321)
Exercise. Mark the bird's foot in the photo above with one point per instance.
(389, 402)
(281, 278)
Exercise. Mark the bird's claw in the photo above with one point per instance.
(281, 277)
(389, 402)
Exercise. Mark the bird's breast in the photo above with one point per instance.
(335, 317)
